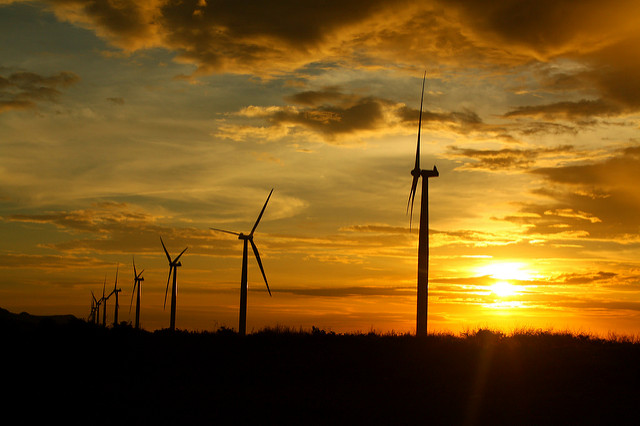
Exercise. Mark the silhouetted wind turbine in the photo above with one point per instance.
(94, 308)
(137, 279)
(104, 300)
(243, 282)
(115, 291)
(173, 265)
(96, 314)
(423, 240)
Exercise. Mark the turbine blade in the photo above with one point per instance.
(167, 290)
(261, 213)
(135, 274)
(222, 230)
(417, 166)
(165, 250)
(135, 282)
(176, 259)
(255, 251)
(94, 297)
(116, 284)
(412, 196)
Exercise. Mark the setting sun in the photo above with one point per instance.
(504, 289)
(506, 271)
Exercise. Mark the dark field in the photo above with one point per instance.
(65, 371)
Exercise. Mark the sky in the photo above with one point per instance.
(125, 121)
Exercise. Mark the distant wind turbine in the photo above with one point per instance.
(115, 291)
(173, 266)
(423, 240)
(243, 283)
(96, 314)
(137, 279)
(95, 308)
(104, 300)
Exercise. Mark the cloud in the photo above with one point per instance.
(116, 101)
(350, 291)
(571, 111)
(53, 262)
(335, 116)
(506, 158)
(283, 38)
(110, 227)
(24, 90)
(586, 278)
(594, 199)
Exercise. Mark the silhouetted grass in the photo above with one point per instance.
(77, 371)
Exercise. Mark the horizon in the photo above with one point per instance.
(125, 123)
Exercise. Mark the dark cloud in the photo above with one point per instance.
(22, 90)
(272, 38)
(505, 159)
(116, 101)
(319, 97)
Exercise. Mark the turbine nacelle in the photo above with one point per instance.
(429, 173)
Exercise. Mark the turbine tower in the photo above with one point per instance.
(243, 283)
(115, 291)
(173, 265)
(423, 240)
(137, 279)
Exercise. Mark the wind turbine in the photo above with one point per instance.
(94, 308)
(423, 240)
(104, 299)
(243, 283)
(137, 279)
(115, 291)
(173, 265)
(96, 313)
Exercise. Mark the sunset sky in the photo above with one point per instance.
(122, 121)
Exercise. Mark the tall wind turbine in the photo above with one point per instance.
(173, 266)
(115, 291)
(423, 240)
(137, 279)
(243, 283)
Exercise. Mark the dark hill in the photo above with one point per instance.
(25, 320)
(77, 372)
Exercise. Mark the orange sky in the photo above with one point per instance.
(123, 121)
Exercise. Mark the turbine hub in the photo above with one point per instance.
(415, 172)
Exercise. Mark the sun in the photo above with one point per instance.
(506, 271)
(504, 289)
